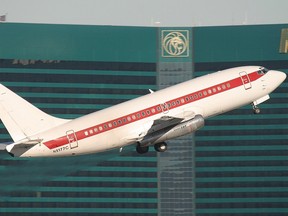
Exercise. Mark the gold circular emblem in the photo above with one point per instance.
(175, 43)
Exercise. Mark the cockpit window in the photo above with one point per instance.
(262, 70)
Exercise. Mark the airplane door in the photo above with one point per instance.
(245, 80)
(72, 139)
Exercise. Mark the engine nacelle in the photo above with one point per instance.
(174, 131)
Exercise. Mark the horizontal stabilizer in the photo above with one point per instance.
(11, 147)
(25, 143)
(22, 146)
(28, 141)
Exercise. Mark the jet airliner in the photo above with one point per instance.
(149, 120)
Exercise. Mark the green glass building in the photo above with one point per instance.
(235, 165)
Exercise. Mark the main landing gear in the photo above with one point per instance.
(142, 149)
(159, 147)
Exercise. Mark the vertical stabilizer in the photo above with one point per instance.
(21, 118)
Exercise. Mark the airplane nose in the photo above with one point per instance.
(278, 76)
(281, 76)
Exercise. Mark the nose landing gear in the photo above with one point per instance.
(257, 102)
(256, 109)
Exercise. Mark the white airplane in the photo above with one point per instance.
(148, 120)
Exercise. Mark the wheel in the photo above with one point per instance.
(257, 110)
(160, 147)
(142, 149)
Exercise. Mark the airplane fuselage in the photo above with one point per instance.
(133, 121)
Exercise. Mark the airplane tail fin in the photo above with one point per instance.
(21, 118)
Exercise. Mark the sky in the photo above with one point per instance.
(146, 12)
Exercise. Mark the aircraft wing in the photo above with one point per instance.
(168, 121)
(159, 124)
(163, 122)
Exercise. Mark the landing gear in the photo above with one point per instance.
(142, 149)
(160, 147)
(256, 110)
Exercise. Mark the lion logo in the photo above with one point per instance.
(175, 44)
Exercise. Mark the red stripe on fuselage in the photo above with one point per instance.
(151, 111)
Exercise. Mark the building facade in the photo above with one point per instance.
(235, 165)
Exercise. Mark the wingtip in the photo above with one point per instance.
(3, 146)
